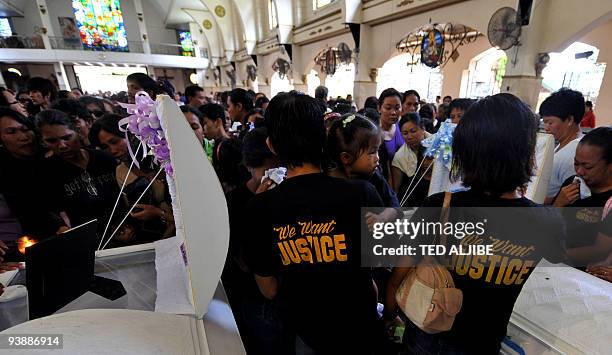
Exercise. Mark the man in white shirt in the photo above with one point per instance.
(562, 112)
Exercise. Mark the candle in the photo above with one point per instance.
(24, 242)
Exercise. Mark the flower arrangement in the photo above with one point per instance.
(144, 123)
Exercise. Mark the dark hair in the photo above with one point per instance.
(261, 101)
(371, 102)
(444, 109)
(461, 104)
(411, 92)
(63, 94)
(588, 104)
(7, 112)
(44, 86)
(109, 123)
(447, 97)
(427, 111)
(255, 151)
(342, 106)
(372, 114)
(504, 129)
(192, 90)
(166, 87)
(73, 108)
(213, 112)
(242, 97)
(78, 89)
(53, 117)
(146, 83)
(193, 110)
(88, 100)
(352, 133)
(3, 100)
(258, 122)
(411, 117)
(223, 97)
(296, 128)
(388, 93)
(564, 103)
(600, 137)
(321, 92)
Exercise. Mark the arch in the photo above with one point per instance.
(224, 23)
(397, 74)
(246, 12)
(342, 82)
(312, 80)
(212, 34)
(284, 11)
(484, 74)
(564, 70)
(277, 84)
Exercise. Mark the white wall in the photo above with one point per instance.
(156, 30)
(130, 20)
(58, 8)
(24, 26)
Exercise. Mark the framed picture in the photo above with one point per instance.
(432, 48)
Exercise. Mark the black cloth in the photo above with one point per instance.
(386, 193)
(306, 232)
(489, 284)
(85, 194)
(27, 192)
(227, 161)
(384, 162)
(584, 218)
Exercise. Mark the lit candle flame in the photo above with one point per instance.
(24, 242)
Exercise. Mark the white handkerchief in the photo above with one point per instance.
(174, 293)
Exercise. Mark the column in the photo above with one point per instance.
(365, 76)
(2, 82)
(43, 11)
(62, 77)
(196, 37)
(142, 27)
(298, 68)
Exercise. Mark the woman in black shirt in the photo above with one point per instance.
(589, 226)
(493, 150)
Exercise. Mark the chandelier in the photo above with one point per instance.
(435, 44)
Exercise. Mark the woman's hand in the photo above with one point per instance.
(568, 195)
(371, 219)
(603, 272)
(147, 212)
(4, 267)
(265, 185)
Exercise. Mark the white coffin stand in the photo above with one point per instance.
(130, 324)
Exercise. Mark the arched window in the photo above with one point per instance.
(485, 74)
(279, 85)
(342, 82)
(312, 80)
(396, 73)
(575, 68)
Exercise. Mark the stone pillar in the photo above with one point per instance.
(62, 77)
(266, 90)
(43, 11)
(2, 82)
(525, 87)
(151, 71)
(365, 74)
(142, 27)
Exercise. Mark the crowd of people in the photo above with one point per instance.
(293, 273)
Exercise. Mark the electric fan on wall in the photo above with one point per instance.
(504, 28)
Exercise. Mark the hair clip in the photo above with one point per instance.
(347, 120)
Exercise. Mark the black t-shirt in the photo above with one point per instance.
(306, 232)
(491, 284)
(227, 161)
(85, 194)
(27, 193)
(583, 218)
(388, 196)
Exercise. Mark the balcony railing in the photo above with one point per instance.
(169, 49)
(76, 44)
(30, 42)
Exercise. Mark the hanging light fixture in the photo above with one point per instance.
(435, 44)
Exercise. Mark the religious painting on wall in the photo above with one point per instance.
(70, 33)
(187, 49)
(432, 48)
(100, 24)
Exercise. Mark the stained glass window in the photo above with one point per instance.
(5, 27)
(187, 49)
(100, 24)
